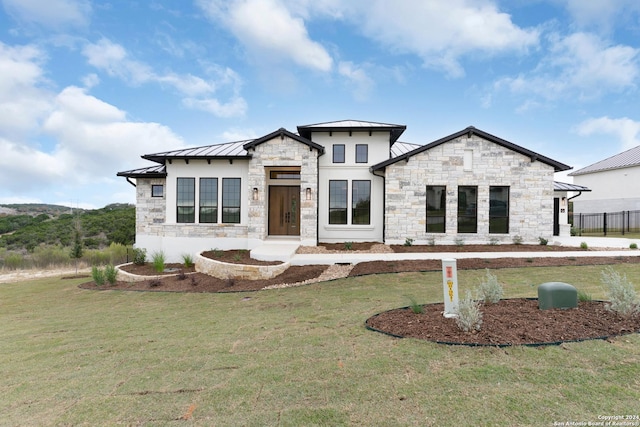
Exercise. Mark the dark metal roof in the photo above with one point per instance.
(563, 186)
(281, 133)
(158, 171)
(230, 150)
(625, 159)
(353, 126)
(469, 131)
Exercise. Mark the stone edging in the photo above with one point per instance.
(125, 276)
(224, 270)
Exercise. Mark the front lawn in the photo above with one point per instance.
(297, 356)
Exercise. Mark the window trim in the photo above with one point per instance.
(475, 209)
(366, 153)
(507, 216)
(192, 217)
(201, 198)
(346, 202)
(344, 151)
(225, 216)
(354, 202)
(443, 209)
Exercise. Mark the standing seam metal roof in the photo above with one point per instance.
(625, 159)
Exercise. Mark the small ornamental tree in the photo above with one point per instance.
(77, 248)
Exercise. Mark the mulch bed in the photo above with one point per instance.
(509, 322)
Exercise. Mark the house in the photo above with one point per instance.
(343, 181)
(613, 183)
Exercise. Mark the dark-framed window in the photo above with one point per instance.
(337, 201)
(467, 209)
(157, 190)
(231, 191)
(186, 200)
(436, 208)
(338, 153)
(208, 200)
(360, 202)
(499, 209)
(284, 174)
(362, 153)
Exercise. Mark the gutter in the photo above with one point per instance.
(132, 183)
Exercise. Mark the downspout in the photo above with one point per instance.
(573, 197)
(384, 205)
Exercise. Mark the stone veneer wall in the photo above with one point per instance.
(280, 153)
(530, 182)
(150, 211)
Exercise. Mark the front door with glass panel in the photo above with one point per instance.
(284, 210)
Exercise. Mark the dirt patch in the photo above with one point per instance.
(508, 322)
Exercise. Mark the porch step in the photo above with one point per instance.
(275, 251)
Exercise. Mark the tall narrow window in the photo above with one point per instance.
(208, 200)
(338, 153)
(186, 200)
(498, 209)
(338, 202)
(436, 208)
(467, 209)
(362, 153)
(361, 202)
(231, 200)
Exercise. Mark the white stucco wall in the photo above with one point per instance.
(378, 151)
(611, 191)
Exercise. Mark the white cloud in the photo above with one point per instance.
(581, 65)
(440, 33)
(269, 31)
(197, 92)
(360, 83)
(626, 130)
(51, 13)
(600, 14)
(23, 101)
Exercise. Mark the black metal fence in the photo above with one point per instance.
(606, 223)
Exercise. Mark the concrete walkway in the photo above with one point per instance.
(613, 247)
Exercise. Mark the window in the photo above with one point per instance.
(231, 200)
(284, 174)
(360, 202)
(436, 208)
(362, 153)
(157, 191)
(208, 200)
(467, 209)
(338, 202)
(499, 210)
(338, 153)
(186, 200)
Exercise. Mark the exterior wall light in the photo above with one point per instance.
(255, 193)
(563, 202)
(308, 193)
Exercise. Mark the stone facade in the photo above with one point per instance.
(283, 153)
(469, 161)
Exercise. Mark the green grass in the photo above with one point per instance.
(298, 356)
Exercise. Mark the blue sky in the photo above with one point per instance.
(87, 87)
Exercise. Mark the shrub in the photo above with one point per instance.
(469, 316)
(157, 259)
(14, 261)
(110, 274)
(139, 256)
(583, 245)
(415, 307)
(543, 241)
(98, 275)
(187, 260)
(622, 296)
(408, 241)
(431, 241)
(494, 241)
(490, 290)
(348, 245)
(517, 240)
(459, 241)
(633, 246)
(584, 297)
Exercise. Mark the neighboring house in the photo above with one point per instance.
(613, 183)
(344, 181)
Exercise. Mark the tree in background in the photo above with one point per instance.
(77, 247)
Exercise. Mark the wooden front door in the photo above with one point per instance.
(284, 210)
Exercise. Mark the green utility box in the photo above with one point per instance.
(557, 295)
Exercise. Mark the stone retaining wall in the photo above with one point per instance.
(224, 270)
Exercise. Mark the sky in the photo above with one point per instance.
(87, 87)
